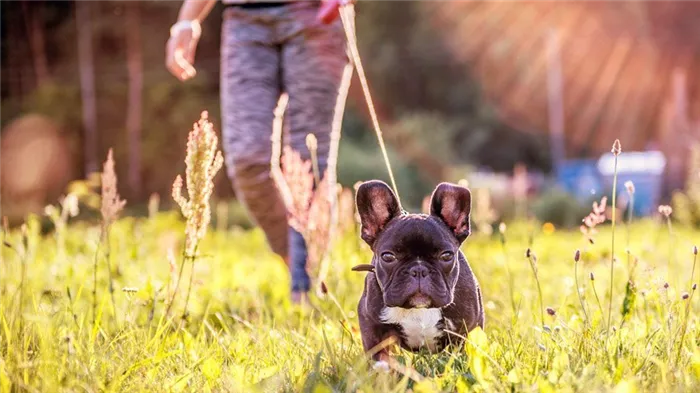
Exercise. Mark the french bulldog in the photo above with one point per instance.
(419, 288)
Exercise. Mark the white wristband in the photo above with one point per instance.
(187, 24)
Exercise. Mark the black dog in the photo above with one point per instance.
(420, 282)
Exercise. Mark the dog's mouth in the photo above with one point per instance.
(419, 300)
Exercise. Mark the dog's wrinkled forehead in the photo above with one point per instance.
(416, 233)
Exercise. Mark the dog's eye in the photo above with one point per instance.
(388, 257)
(447, 256)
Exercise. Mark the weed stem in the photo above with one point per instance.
(578, 291)
(533, 264)
(193, 257)
(616, 152)
(687, 311)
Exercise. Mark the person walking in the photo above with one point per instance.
(269, 48)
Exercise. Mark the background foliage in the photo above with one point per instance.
(429, 103)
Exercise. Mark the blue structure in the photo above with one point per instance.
(581, 179)
(590, 179)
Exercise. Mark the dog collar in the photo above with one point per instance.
(366, 267)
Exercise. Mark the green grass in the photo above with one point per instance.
(243, 335)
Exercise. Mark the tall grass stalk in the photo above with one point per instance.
(666, 211)
(577, 258)
(110, 208)
(630, 192)
(110, 277)
(616, 150)
(177, 284)
(193, 258)
(203, 161)
(692, 272)
(670, 245)
(689, 301)
(312, 145)
(94, 279)
(23, 275)
(23, 338)
(533, 265)
(597, 299)
(3, 269)
(502, 231)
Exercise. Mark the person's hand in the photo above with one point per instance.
(180, 49)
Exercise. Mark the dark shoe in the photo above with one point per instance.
(301, 282)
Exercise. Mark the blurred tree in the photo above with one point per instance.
(133, 116)
(436, 114)
(13, 75)
(35, 28)
(83, 19)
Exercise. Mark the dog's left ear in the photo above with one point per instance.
(377, 205)
(452, 204)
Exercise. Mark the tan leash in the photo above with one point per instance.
(347, 15)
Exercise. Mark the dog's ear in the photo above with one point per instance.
(377, 205)
(452, 204)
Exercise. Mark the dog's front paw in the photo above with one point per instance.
(382, 366)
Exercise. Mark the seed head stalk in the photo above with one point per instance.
(502, 231)
(23, 280)
(23, 276)
(670, 246)
(312, 145)
(695, 258)
(3, 271)
(533, 265)
(203, 161)
(94, 281)
(189, 287)
(597, 299)
(109, 273)
(112, 205)
(577, 258)
(666, 212)
(177, 284)
(630, 192)
(616, 150)
(689, 300)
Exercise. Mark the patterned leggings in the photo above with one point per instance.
(264, 52)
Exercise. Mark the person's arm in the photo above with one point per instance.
(195, 10)
(184, 35)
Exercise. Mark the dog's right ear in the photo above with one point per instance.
(377, 205)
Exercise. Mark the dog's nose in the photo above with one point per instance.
(418, 271)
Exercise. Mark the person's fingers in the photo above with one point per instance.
(170, 60)
(187, 70)
(180, 56)
(188, 55)
(191, 51)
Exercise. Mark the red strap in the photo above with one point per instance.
(328, 11)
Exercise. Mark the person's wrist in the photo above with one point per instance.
(192, 25)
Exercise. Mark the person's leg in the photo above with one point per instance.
(250, 89)
(313, 58)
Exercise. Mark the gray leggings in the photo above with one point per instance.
(264, 52)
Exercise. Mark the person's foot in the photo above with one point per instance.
(301, 282)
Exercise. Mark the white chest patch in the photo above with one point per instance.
(419, 325)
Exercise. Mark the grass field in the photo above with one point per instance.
(243, 335)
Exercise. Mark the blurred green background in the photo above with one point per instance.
(460, 87)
